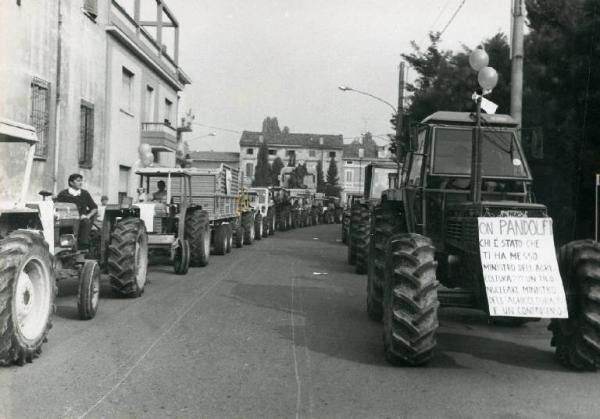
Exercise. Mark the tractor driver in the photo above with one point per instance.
(85, 204)
(161, 194)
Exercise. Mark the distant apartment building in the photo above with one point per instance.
(96, 81)
(292, 148)
(357, 156)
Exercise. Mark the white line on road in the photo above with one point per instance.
(298, 382)
(175, 322)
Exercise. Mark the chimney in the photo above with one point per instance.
(321, 141)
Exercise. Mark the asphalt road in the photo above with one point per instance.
(278, 329)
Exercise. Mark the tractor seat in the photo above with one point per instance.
(44, 194)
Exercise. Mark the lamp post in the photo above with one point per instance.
(350, 89)
(487, 79)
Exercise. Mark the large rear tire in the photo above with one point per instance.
(28, 289)
(383, 225)
(221, 239)
(410, 302)
(197, 233)
(361, 239)
(239, 237)
(89, 290)
(248, 225)
(577, 339)
(128, 258)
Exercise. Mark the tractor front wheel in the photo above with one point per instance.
(26, 298)
(128, 257)
(577, 339)
(89, 290)
(410, 301)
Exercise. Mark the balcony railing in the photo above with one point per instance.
(160, 136)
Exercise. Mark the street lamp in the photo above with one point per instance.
(350, 89)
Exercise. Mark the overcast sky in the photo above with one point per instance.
(286, 58)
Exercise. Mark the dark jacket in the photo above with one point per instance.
(84, 201)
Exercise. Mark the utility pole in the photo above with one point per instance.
(516, 80)
(400, 102)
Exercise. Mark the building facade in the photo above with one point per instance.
(291, 148)
(214, 159)
(76, 70)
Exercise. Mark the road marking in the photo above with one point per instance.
(298, 382)
(157, 340)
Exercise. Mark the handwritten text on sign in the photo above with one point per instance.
(520, 269)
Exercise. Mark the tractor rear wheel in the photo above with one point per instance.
(383, 226)
(248, 225)
(89, 290)
(410, 301)
(26, 297)
(361, 239)
(128, 258)
(577, 339)
(197, 233)
(258, 227)
(239, 237)
(221, 239)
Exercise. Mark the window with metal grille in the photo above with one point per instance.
(40, 114)
(86, 135)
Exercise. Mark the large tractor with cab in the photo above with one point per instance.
(463, 230)
(262, 204)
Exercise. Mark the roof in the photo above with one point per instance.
(11, 131)
(469, 118)
(369, 146)
(250, 138)
(216, 156)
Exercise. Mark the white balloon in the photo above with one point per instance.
(478, 59)
(144, 148)
(487, 78)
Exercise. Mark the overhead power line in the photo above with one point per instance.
(453, 16)
(218, 128)
(442, 10)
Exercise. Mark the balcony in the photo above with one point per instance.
(160, 136)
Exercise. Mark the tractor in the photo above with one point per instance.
(39, 246)
(262, 204)
(175, 224)
(376, 180)
(282, 206)
(466, 189)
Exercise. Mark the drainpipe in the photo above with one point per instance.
(58, 100)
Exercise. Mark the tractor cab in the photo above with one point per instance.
(259, 200)
(377, 179)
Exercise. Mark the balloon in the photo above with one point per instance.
(144, 148)
(478, 59)
(147, 161)
(487, 78)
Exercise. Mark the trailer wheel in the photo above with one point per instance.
(128, 257)
(248, 225)
(181, 258)
(197, 233)
(577, 339)
(26, 298)
(221, 239)
(89, 290)
(258, 227)
(410, 301)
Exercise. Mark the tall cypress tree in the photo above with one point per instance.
(276, 170)
(320, 177)
(262, 175)
(332, 188)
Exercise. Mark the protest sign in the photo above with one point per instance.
(520, 270)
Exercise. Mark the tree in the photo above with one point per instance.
(276, 170)
(320, 177)
(271, 125)
(332, 187)
(286, 130)
(262, 175)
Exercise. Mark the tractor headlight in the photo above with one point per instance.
(67, 240)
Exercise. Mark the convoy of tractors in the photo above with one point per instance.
(199, 212)
(421, 231)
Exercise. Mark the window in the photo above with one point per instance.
(149, 104)
(249, 151)
(40, 115)
(312, 153)
(249, 169)
(349, 176)
(126, 90)
(332, 154)
(168, 111)
(86, 135)
(290, 153)
(90, 9)
(272, 152)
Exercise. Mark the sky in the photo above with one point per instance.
(286, 58)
